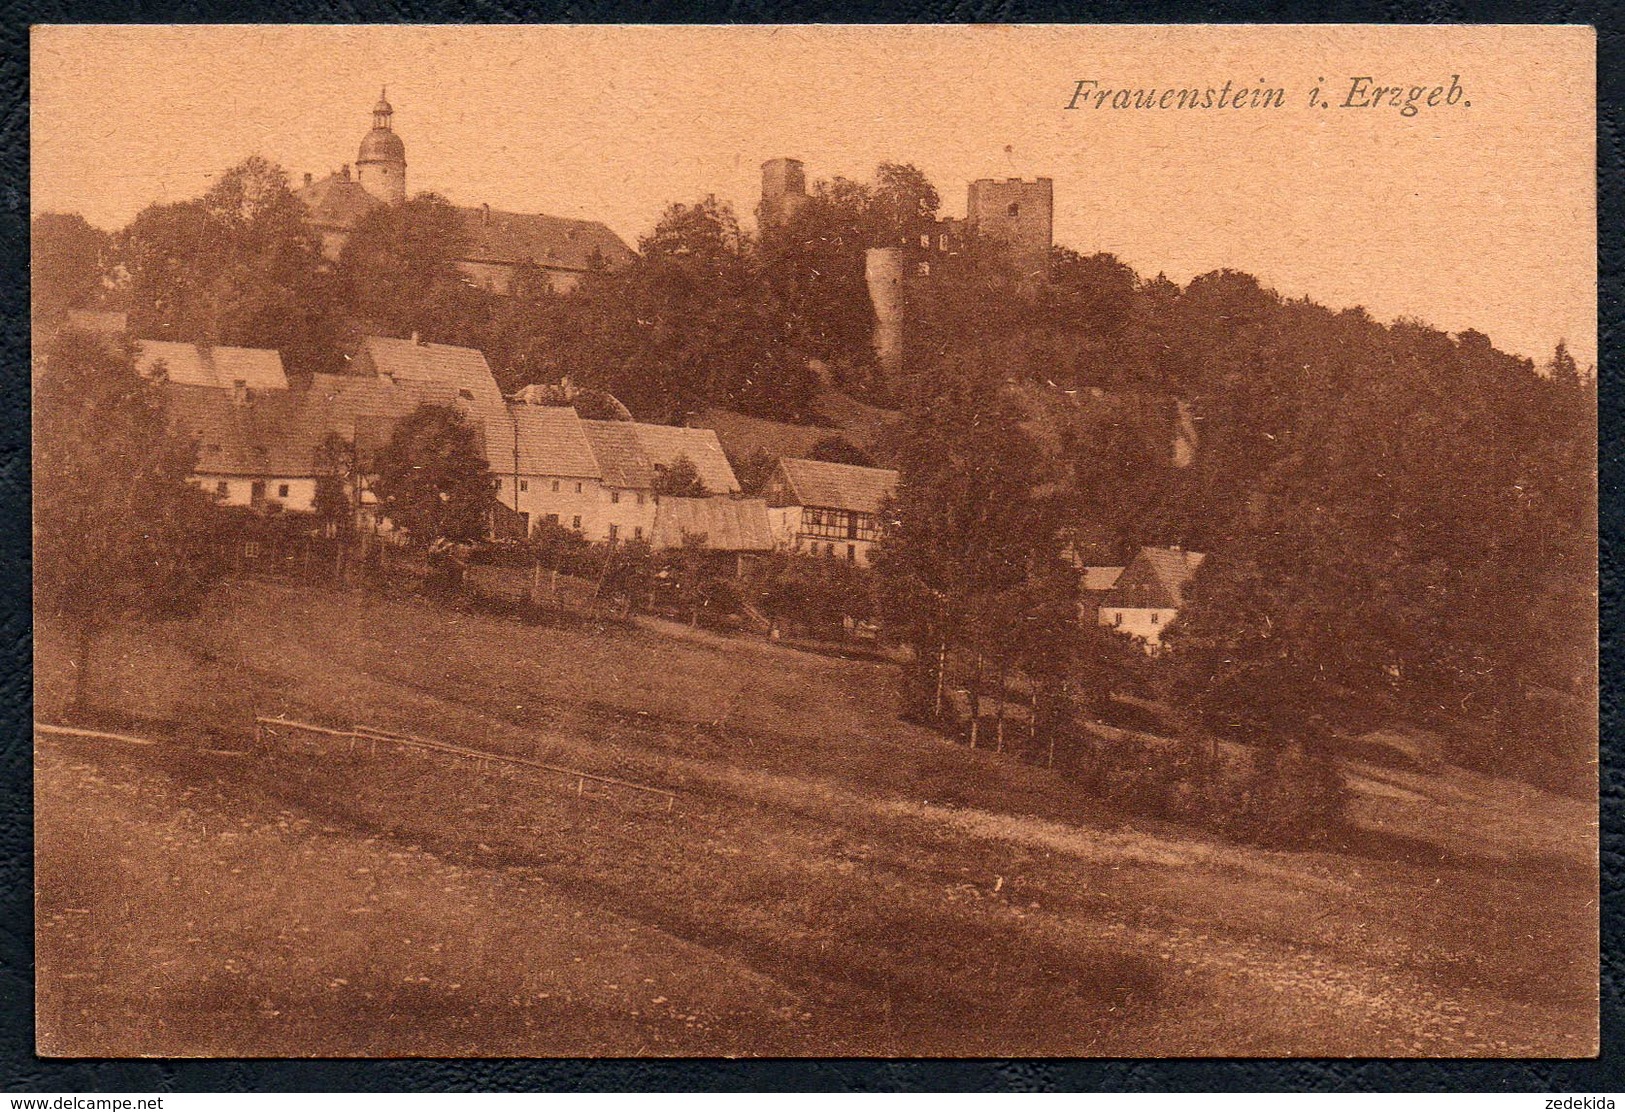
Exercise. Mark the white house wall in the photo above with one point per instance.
(596, 505)
(237, 490)
(1144, 624)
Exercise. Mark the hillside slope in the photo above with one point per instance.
(829, 881)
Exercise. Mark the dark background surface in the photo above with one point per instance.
(22, 1072)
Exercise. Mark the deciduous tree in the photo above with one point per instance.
(432, 481)
(118, 530)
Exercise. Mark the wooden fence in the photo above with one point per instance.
(372, 737)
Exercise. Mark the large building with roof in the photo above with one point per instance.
(497, 245)
(829, 509)
(263, 451)
(460, 374)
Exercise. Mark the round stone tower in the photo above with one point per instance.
(885, 270)
(381, 165)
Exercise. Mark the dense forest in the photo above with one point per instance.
(1399, 520)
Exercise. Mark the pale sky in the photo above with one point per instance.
(1480, 216)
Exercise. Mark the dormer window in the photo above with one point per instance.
(466, 394)
(1015, 209)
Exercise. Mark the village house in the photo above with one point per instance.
(829, 509)
(599, 477)
(1148, 594)
(459, 374)
(262, 450)
(733, 530)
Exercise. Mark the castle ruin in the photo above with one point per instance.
(1019, 213)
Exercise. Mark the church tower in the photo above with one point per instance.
(381, 165)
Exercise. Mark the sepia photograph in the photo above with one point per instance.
(814, 541)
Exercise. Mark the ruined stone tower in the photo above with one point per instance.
(1021, 213)
(887, 272)
(784, 191)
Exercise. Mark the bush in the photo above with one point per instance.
(1287, 799)
(1276, 796)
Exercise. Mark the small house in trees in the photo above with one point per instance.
(829, 509)
(1149, 593)
(1094, 583)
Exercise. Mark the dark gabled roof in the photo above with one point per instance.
(1154, 580)
(552, 441)
(664, 445)
(209, 365)
(551, 242)
(620, 454)
(839, 486)
(337, 202)
(443, 368)
(728, 524)
(278, 433)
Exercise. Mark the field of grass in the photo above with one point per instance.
(829, 881)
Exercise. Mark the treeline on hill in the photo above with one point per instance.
(1400, 523)
(705, 315)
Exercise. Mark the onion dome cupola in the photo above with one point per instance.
(381, 163)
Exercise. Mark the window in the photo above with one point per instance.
(637, 532)
(942, 242)
(922, 269)
(640, 500)
(466, 394)
(499, 484)
(1015, 209)
(555, 486)
(925, 242)
(829, 550)
(251, 550)
(551, 519)
(614, 532)
(1117, 619)
(282, 490)
(1155, 617)
(222, 488)
(578, 488)
(851, 553)
(575, 522)
(615, 497)
(524, 486)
